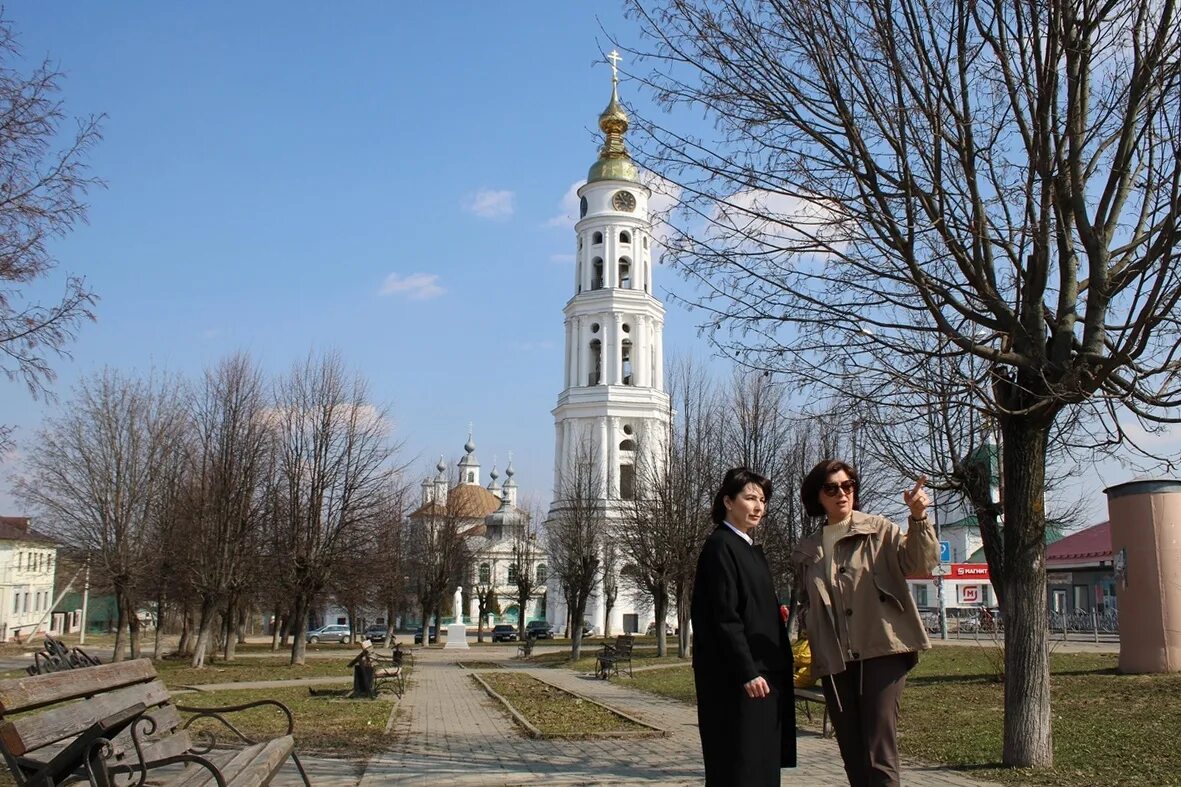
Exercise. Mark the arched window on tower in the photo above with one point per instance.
(597, 273)
(597, 238)
(596, 370)
(628, 379)
(625, 237)
(625, 273)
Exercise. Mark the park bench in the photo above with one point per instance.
(118, 720)
(54, 656)
(812, 695)
(525, 649)
(611, 656)
(373, 671)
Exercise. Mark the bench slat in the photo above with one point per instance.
(34, 691)
(29, 733)
(253, 765)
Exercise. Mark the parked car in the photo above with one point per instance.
(539, 629)
(377, 632)
(418, 635)
(668, 629)
(504, 632)
(335, 632)
(588, 629)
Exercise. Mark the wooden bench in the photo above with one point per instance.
(611, 656)
(376, 671)
(126, 725)
(814, 695)
(525, 649)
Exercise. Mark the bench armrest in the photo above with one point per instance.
(216, 713)
(175, 759)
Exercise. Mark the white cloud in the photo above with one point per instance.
(568, 216)
(490, 203)
(562, 259)
(415, 286)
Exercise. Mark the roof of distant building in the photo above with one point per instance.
(466, 501)
(17, 528)
(1092, 543)
(1054, 530)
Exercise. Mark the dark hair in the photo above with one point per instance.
(815, 480)
(735, 481)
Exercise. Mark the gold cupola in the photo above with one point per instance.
(614, 161)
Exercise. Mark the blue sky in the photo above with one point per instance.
(388, 180)
(273, 168)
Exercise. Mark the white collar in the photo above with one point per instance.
(741, 535)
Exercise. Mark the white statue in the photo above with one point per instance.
(459, 604)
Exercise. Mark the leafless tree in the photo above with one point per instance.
(97, 474)
(333, 465)
(574, 535)
(389, 572)
(1003, 176)
(527, 554)
(229, 466)
(43, 183)
(438, 557)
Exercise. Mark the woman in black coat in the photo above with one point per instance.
(741, 654)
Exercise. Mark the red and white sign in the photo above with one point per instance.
(963, 571)
(969, 594)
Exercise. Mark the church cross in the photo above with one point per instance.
(614, 57)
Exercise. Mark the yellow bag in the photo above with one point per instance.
(801, 655)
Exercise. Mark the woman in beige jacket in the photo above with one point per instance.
(863, 626)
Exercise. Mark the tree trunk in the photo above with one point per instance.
(276, 627)
(230, 618)
(299, 643)
(133, 628)
(577, 614)
(120, 616)
(185, 646)
(204, 634)
(660, 603)
(159, 625)
(1028, 741)
(240, 627)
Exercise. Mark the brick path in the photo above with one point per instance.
(449, 732)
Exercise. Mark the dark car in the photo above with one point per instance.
(377, 632)
(504, 633)
(539, 629)
(418, 635)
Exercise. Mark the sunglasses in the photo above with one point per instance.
(848, 487)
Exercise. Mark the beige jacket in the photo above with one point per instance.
(876, 613)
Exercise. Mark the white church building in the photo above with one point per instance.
(613, 396)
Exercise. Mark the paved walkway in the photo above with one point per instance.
(448, 731)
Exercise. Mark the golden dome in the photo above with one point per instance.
(614, 161)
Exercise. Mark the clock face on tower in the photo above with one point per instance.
(623, 200)
(582, 208)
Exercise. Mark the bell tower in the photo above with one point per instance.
(613, 401)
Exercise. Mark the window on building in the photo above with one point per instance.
(627, 445)
(627, 482)
(25, 602)
(20, 556)
(597, 273)
(596, 371)
(920, 596)
(625, 275)
(512, 573)
(485, 573)
(628, 379)
(471, 476)
(625, 237)
(16, 603)
(342, 621)
(541, 573)
(597, 238)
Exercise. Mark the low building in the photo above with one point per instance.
(1080, 573)
(28, 560)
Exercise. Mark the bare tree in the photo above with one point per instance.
(333, 466)
(97, 476)
(42, 186)
(230, 465)
(523, 568)
(1003, 176)
(574, 536)
(438, 557)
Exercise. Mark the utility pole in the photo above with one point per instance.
(85, 600)
(939, 579)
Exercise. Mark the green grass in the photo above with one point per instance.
(179, 673)
(557, 713)
(641, 657)
(323, 725)
(1109, 729)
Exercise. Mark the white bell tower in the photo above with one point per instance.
(613, 402)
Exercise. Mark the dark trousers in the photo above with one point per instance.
(863, 705)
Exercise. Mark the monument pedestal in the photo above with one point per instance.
(456, 637)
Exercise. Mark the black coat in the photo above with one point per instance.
(738, 635)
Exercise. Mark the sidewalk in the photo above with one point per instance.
(448, 731)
